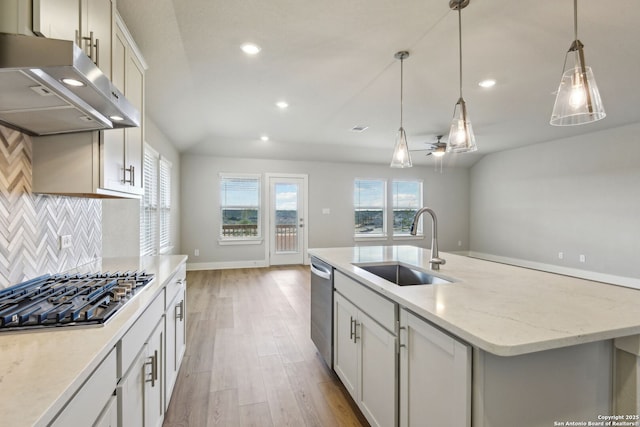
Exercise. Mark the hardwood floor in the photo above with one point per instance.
(249, 359)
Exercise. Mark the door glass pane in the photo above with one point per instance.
(286, 217)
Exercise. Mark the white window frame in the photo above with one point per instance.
(149, 217)
(407, 234)
(371, 236)
(240, 240)
(164, 205)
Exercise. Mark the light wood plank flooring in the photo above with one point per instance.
(249, 359)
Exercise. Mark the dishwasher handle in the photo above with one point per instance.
(320, 272)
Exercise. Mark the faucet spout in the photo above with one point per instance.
(435, 260)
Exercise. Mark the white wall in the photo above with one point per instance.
(330, 186)
(121, 218)
(577, 195)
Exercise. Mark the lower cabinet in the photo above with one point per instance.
(140, 392)
(93, 399)
(175, 340)
(435, 376)
(365, 359)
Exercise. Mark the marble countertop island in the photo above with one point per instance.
(40, 370)
(499, 308)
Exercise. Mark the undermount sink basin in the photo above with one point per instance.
(403, 275)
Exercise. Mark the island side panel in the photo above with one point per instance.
(543, 388)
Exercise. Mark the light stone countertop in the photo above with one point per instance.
(499, 308)
(40, 370)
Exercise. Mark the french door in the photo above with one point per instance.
(287, 213)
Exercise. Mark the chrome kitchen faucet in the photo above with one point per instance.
(435, 260)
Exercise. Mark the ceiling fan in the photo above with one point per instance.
(438, 148)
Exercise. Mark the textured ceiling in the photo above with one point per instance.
(332, 61)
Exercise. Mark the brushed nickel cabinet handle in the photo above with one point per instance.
(154, 368)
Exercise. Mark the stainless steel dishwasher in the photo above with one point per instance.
(322, 308)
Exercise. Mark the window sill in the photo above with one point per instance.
(233, 242)
(369, 238)
(409, 237)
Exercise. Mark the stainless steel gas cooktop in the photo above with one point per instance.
(54, 301)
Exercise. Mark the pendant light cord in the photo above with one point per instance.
(460, 41)
(575, 19)
(401, 87)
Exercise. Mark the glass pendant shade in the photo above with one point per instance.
(461, 137)
(578, 100)
(401, 157)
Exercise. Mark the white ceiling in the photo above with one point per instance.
(332, 61)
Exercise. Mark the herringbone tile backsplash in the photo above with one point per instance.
(30, 224)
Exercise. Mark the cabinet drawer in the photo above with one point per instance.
(87, 404)
(129, 346)
(175, 285)
(376, 306)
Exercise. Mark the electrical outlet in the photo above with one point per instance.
(326, 211)
(196, 252)
(459, 242)
(560, 255)
(65, 241)
(583, 258)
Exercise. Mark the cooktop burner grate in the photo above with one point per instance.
(51, 301)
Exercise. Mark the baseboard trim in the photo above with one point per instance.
(628, 282)
(225, 265)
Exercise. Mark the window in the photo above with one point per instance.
(407, 199)
(164, 204)
(155, 205)
(240, 207)
(149, 204)
(369, 201)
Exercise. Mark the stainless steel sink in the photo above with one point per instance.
(403, 275)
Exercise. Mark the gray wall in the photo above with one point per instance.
(330, 186)
(577, 195)
(121, 218)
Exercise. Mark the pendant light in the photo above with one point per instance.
(461, 137)
(578, 99)
(401, 157)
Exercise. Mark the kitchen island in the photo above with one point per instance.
(41, 372)
(542, 346)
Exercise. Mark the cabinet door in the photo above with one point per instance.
(378, 372)
(154, 390)
(130, 393)
(175, 342)
(134, 91)
(96, 18)
(435, 376)
(345, 351)
(57, 19)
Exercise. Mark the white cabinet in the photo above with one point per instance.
(100, 163)
(140, 391)
(176, 322)
(88, 23)
(91, 401)
(365, 352)
(435, 376)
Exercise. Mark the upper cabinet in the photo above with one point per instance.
(106, 163)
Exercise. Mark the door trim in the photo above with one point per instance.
(267, 214)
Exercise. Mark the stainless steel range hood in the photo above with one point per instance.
(34, 99)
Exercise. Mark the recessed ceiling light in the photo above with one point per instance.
(250, 48)
(487, 83)
(72, 82)
(264, 138)
(282, 104)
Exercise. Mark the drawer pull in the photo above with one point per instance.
(154, 368)
(180, 310)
